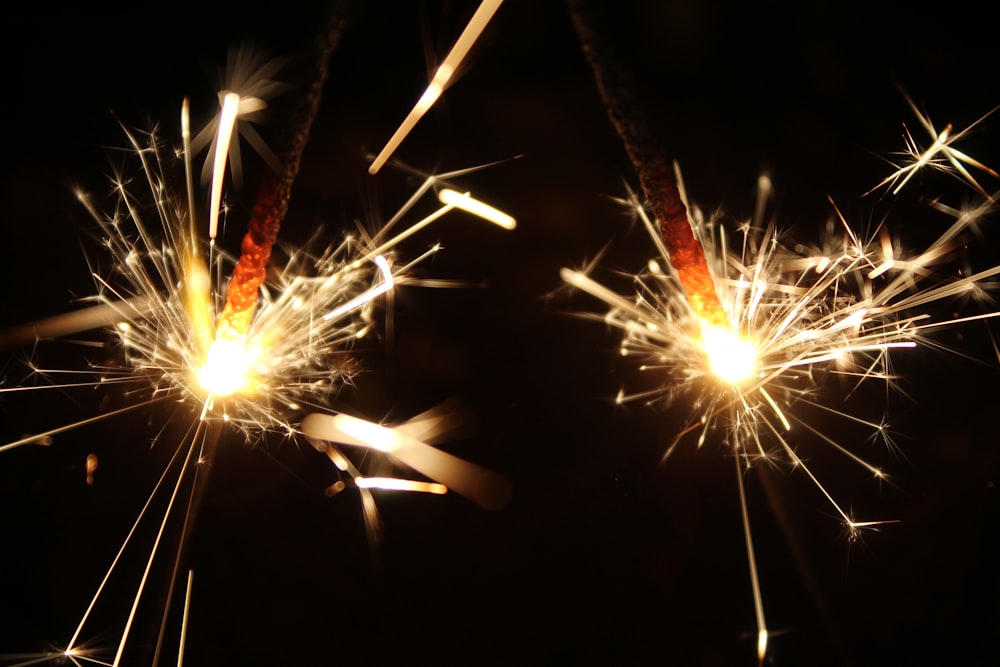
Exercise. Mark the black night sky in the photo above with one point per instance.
(603, 556)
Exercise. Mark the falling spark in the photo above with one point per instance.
(91, 468)
(394, 484)
(470, 204)
(249, 83)
(441, 79)
(797, 315)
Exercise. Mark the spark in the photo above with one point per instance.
(394, 484)
(249, 83)
(730, 358)
(482, 486)
(469, 204)
(442, 78)
(227, 119)
(798, 315)
(941, 155)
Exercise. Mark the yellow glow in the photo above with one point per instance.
(227, 368)
(223, 137)
(730, 357)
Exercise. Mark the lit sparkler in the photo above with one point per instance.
(795, 316)
(266, 355)
(749, 335)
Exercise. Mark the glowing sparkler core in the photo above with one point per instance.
(227, 369)
(730, 357)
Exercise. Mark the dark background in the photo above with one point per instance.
(603, 555)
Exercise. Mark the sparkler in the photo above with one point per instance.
(269, 355)
(749, 335)
(799, 317)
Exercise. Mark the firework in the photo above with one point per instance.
(801, 315)
(292, 362)
(268, 352)
(752, 333)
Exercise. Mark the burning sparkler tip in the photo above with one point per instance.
(227, 368)
(730, 357)
(761, 646)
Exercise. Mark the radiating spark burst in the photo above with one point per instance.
(941, 155)
(795, 315)
(162, 298)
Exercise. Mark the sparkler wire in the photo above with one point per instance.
(622, 101)
(271, 203)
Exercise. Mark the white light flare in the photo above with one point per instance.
(228, 367)
(367, 296)
(484, 487)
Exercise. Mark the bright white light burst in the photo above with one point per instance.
(730, 357)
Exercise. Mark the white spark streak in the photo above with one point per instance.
(470, 204)
(440, 80)
(366, 297)
(223, 137)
